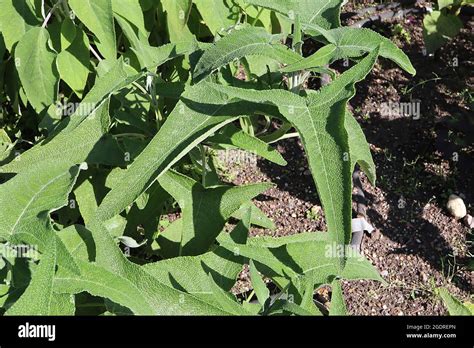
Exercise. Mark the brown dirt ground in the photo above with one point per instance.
(417, 246)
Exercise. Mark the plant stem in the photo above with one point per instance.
(203, 164)
(50, 13)
(250, 296)
(94, 52)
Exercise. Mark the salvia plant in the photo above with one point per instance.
(111, 112)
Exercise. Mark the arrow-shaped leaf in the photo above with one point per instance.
(204, 210)
(241, 43)
(354, 42)
(320, 120)
(36, 68)
(98, 16)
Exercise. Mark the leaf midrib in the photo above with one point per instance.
(33, 198)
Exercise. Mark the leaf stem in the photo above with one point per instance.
(94, 52)
(250, 296)
(50, 13)
(203, 164)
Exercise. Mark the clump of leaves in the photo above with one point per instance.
(112, 107)
(443, 24)
(453, 305)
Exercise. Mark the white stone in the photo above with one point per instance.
(456, 207)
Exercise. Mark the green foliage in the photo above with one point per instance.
(454, 306)
(36, 69)
(443, 24)
(113, 114)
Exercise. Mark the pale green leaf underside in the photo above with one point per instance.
(258, 284)
(359, 148)
(97, 15)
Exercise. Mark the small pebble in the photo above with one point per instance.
(456, 207)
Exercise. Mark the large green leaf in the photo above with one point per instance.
(438, 28)
(177, 19)
(320, 120)
(112, 276)
(37, 298)
(241, 43)
(131, 10)
(200, 112)
(73, 63)
(97, 15)
(36, 68)
(216, 13)
(151, 57)
(301, 259)
(455, 307)
(6, 145)
(37, 193)
(190, 273)
(232, 135)
(204, 210)
(258, 217)
(26, 217)
(119, 76)
(79, 242)
(258, 285)
(354, 42)
(16, 18)
(320, 58)
(324, 13)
